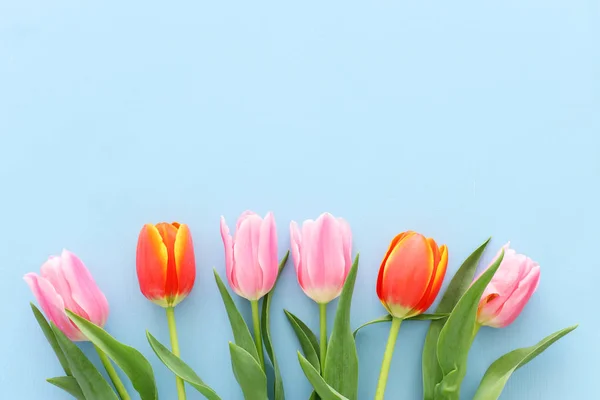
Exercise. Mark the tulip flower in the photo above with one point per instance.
(166, 267)
(166, 270)
(509, 290)
(411, 274)
(251, 255)
(65, 283)
(409, 280)
(251, 262)
(322, 254)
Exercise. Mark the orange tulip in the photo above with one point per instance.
(411, 274)
(166, 267)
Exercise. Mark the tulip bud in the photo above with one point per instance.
(251, 255)
(65, 283)
(166, 267)
(509, 290)
(322, 256)
(411, 274)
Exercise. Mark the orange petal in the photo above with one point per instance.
(168, 232)
(408, 271)
(185, 261)
(393, 244)
(151, 263)
(436, 282)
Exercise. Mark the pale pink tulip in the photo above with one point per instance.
(322, 254)
(251, 255)
(511, 287)
(65, 283)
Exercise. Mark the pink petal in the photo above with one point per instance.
(53, 305)
(326, 261)
(228, 244)
(347, 238)
(52, 271)
(295, 242)
(84, 289)
(245, 253)
(243, 217)
(267, 253)
(309, 228)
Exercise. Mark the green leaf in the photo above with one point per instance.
(131, 361)
(266, 334)
(241, 333)
(308, 340)
(91, 382)
(500, 371)
(68, 384)
(432, 374)
(457, 336)
(325, 391)
(180, 368)
(51, 338)
(248, 373)
(388, 318)
(341, 362)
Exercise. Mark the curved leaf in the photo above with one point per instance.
(325, 391)
(500, 371)
(341, 362)
(388, 318)
(457, 335)
(432, 374)
(307, 339)
(68, 384)
(248, 373)
(41, 320)
(91, 382)
(266, 334)
(241, 333)
(180, 368)
(131, 361)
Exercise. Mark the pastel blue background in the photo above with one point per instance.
(458, 119)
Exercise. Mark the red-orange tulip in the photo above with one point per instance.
(166, 267)
(411, 274)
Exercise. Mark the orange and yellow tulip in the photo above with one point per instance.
(411, 274)
(166, 267)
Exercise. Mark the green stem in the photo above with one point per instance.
(112, 373)
(175, 347)
(257, 336)
(323, 323)
(387, 358)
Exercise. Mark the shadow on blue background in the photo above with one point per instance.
(459, 120)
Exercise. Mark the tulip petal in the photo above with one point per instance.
(267, 253)
(243, 217)
(228, 244)
(333, 261)
(436, 281)
(394, 242)
(408, 271)
(247, 271)
(168, 233)
(84, 289)
(309, 243)
(151, 263)
(53, 305)
(295, 243)
(185, 261)
(53, 272)
(347, 239)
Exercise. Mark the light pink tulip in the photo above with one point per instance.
(511, 287)
(251, 255)
(65, 283)
(322, 253)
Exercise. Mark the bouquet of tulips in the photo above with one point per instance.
(410, 277)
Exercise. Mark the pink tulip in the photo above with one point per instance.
(251, 255)
(510, 289)
(322, 255)
(65, 283)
